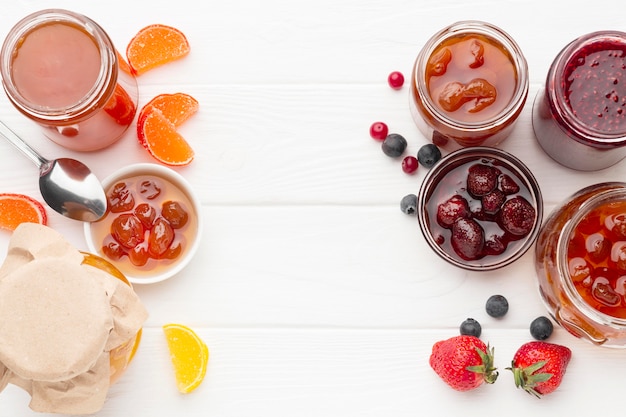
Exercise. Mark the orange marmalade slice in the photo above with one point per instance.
(157, 124)
(19, 208)
(156, 45)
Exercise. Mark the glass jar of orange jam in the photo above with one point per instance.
(579, 117)
(120, 356)
(61, 70)
(468, 86)
(580, 259)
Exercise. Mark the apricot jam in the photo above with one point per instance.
(149, 226)
(469, 85)
(579, 118)
(580, 259)
(121, 356)
(471, 77)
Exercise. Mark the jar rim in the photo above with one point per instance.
(477, 27)
(555, 90)
(561, 250)
(99, 92)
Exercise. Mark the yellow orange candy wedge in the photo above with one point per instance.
(157, 124)
(189, 355)
(19, 208)
(155, 45)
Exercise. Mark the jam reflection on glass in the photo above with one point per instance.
(480, 209)
(596, 258)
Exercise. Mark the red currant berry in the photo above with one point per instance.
(379, 131)
(396, 80)
(409, 164)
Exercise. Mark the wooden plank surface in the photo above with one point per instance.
(315, 294)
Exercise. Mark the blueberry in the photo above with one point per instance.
(470, 327)
(394, 145)
(408, 204)
(428, 155)
(541, 328)
(497, 306)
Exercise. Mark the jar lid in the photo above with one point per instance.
(55, 320)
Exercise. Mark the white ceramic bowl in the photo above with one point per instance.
(174, 187)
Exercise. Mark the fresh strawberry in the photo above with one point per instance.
(463, 362)
(538, 367)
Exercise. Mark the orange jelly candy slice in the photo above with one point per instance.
(19, 208)
(156, 45)
(189, 355)
(157, 124)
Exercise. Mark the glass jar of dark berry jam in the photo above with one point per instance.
(469, 85)
(580, 259)
(579, 117)
(480, 208)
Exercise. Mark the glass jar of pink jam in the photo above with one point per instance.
(580, 260)
(579, 117)
(469, 85)
(61, 70)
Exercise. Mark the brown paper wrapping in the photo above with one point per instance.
(60, 320)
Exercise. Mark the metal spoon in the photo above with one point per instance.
(67, 185)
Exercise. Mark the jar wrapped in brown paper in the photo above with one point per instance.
(70, 324)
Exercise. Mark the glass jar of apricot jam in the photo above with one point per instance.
(579, 117)
(61, 70)
(120, 356)
(580, 259)
(468, 86)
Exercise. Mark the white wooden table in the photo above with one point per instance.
(316, 295)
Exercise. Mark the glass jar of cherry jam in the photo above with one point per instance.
(580, 259)
(579, 117)
(480, 208)
(468, 86)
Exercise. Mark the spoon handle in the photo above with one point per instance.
(24, 147)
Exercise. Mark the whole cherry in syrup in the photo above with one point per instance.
(480, 209)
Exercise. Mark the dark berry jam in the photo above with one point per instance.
(578, 117)
(479, 208)
(594, 83)
(473, 224)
